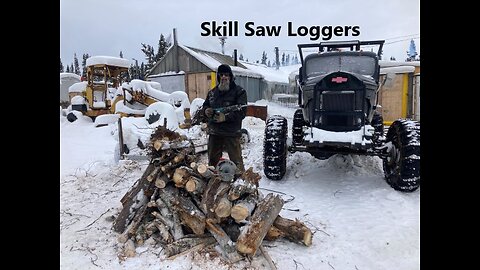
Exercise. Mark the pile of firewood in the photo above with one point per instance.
(181, 204)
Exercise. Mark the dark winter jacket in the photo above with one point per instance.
(236, 95)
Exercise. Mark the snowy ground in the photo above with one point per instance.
(358, 220)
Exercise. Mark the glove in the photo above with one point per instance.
(219, 117)
(209, 112)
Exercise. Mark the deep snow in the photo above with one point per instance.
(358, 220)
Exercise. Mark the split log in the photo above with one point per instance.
(182, 175)
(224, 207)
(294, 230)
(129, 249)
(157, 144)
(150, 228)
(186, 244)
(167, 196)
(195, 185)
(226, 244)
(162, 181)
(219, 196)
(243, 209)
(194, 165)
(247, 183)
(136, 221)
(134, 199)
(132, 192)
(179, 157)
(251, 177)
(205, 171)
(153, 175)
(189, 214)
(164, 232)
(274, 233)
(241, 187)
(260, 222)
(208, 196)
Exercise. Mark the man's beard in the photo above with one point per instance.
(224, 85)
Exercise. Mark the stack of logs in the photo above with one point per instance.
(181, 204)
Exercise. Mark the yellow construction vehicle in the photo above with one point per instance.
(105, 89)
(104, 76)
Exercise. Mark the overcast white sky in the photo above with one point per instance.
(109, 26)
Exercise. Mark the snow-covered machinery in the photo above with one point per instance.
(338, 91)
(104, 76)
(104, 92)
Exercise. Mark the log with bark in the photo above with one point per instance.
(178, 196)
(134, 199)
(251, 237)
(294, 230)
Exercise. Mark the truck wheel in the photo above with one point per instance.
(275, 147)
(297, 128)
(402, 165)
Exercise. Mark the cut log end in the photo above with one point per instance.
(307, 238)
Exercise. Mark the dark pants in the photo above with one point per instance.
(231, 145)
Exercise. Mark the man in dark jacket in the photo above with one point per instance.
(223, 107)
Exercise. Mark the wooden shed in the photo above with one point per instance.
(198, 71)
(399, 94)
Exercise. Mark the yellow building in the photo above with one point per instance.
(399, 93)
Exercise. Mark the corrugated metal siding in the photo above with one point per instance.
(186, 63)
(252, 86)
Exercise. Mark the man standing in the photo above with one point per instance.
(225, 123)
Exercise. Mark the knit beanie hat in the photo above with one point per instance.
(224, 69)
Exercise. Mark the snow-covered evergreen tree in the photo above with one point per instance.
(163, 46)
(412, 52)
(68, 69)
(264, 58)
(61, 66)
(77, 66)
(121, 54)
(283, 59)
(241, 57)
(143, 70)
(84, 64)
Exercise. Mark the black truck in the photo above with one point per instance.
(337, 97)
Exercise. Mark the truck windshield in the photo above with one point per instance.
(364, 65)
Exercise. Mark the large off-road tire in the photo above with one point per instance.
(297, 127)
(377, 124)
(275, 147)
(402, 165)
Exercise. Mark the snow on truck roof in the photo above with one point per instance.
(108, 60)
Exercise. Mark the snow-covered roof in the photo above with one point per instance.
(168, 73)
(399, 69)
(270, 73)
(206, 58)
(108, 60)
(69, 75)
(386, 63)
